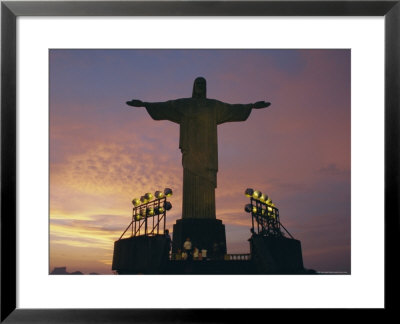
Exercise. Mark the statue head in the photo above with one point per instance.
(199, 88)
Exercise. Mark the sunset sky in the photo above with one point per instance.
(103, 153)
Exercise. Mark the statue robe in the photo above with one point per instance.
(198, 120)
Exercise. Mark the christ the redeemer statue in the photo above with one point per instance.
(198, 118)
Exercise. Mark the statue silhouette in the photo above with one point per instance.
(198, 118)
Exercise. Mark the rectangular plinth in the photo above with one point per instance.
(276, 255)
(142, 254)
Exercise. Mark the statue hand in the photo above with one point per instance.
(135, 103)
(261, 104)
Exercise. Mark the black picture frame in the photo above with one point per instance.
(10, 10)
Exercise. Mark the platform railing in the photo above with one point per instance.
(226, 257)
(238, 257)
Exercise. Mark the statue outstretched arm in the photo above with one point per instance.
(167, 110)
(256, 105)
(261, 104)
(136, 103)
(237, 112)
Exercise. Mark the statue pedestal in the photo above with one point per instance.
(203, 234)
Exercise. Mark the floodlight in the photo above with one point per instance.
(136, 202)
(254, 210)
(269, 209)
(150, 211)
(143, 212)
(256, 194)
(268, 201)
(148, 196)
(158, 194)
(168, 192)
(138, 217)
(160, 210)
(167, 205)
(248, 208)
(263, 198)
(249, 192)
(143, 200)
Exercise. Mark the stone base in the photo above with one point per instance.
(203, 233)
(276, 255)
(141, 254)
